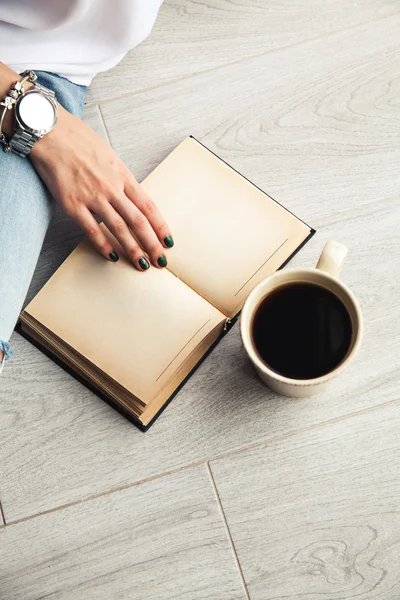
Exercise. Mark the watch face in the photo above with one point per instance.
(36, 111)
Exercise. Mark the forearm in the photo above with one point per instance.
(7, 78)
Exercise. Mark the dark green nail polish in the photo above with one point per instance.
(162, 261)
(114, 256)
(143, 264)
(168, 241)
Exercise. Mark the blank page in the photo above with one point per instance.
(137, 327)
(228, 234)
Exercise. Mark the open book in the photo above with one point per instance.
(135, 336)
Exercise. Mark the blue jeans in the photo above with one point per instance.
(26, 208)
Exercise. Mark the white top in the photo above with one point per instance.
(74, 38)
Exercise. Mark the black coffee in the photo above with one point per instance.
(302, 330)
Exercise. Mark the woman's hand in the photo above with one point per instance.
(86, 177)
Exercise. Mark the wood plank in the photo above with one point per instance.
(315, 125)
(164, 539)
(191, 36)
(60, 443)
(315, 516)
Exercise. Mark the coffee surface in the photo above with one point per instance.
(302, 330)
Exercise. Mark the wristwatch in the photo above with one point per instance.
(35, 115)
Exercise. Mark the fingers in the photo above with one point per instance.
(136, 194)
(119, 225)
(127, 218)
(88, 223)
(135, 222)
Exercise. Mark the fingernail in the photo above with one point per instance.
(144, 264)
(168, 241)
(114, 256)
(162, 261)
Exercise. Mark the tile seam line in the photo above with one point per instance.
(103, 123)
(198, 463)
(229, 535)
(2, 517)
(236, 62)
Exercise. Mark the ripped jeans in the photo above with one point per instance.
(26, 209)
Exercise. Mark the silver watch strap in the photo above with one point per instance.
(22, 141)
(44, 90)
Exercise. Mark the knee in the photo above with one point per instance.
(5, 351)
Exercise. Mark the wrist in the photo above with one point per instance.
(7, 78)
(9, 122)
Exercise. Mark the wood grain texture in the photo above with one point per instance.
(316, 515)
(161, 540)
(316, 125)
(191, 36)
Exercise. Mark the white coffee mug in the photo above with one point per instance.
(325, 275)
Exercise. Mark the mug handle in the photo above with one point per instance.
(332, 258)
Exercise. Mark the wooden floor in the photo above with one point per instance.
(235, 492)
